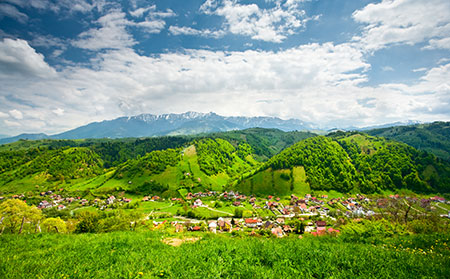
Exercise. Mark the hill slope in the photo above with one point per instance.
(349, 162)
(433, 138)
(25, 169)
(206, 164)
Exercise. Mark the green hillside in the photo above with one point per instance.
(433, 138)
(265, 142)
(112, 151)
(349, 162)
(25, 169)
(341, 161)
(206, 164)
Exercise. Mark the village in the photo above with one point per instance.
(233, 212)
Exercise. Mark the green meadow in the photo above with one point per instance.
(144, 255)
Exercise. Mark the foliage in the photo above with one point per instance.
(369, 231)
(346, 161)
(154, 162)
(88, 222)
(214, 156)
(326, 164)
(433, 137)
(54, 225)
(55, 165)
(14, 214)
(150, 187)
(265, 143)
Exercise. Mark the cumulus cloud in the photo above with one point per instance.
(315, 82)
(272, 25)
(111, 34)
(17, 57)
(16, 114)
(404, 22)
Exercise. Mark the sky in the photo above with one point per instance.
(336, 63)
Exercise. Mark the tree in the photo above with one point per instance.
(54, 225)
(15, 214)
(88, 222)
(238, 212)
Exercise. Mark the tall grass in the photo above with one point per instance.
(143, 255)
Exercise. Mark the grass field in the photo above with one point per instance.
(144, 255)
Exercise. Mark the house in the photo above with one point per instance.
(198, 203)
(195, 229)
(278, 232)
(287, 229)
(110, 200)
(321, 224)
(236, 203)
(224, 225)
(44, 204)
(61, 206)
(212, 227)
(251, 222)
(438, 199)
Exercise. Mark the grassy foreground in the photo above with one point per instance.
(144, 255)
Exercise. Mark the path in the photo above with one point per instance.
(224, 212)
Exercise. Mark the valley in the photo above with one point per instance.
(345, 189)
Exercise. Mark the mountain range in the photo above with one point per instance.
(188, 123)
(149, 125)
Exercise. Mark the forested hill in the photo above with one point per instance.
(253, 161)
(350, 162)
(265, 143)
(223, 155)
(433, 137)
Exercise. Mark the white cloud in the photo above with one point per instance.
(273, 25)
(9, 123)
(121, 82)
(404, 22)
(315, 82)
(140, 11)
(387, 69)
(112, 33)
(152, 26)
(58, 111)
(439, 44)
(12, 12)
(16, 114)
(184, 30)
(17, 57)
(419, 70)
(3, 115)
(59, 6)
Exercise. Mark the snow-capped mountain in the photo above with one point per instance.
(147, 125)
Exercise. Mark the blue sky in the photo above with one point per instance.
(335, 63)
